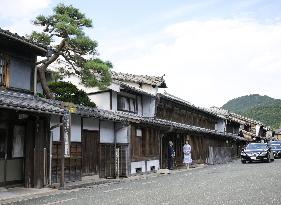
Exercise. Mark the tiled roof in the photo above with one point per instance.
(233, 116)
(151, 80)
(186, 103)
(278, 131)
(133, 88)
(134, 118)
(22, 39)
(26, 102)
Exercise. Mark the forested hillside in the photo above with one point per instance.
(262, 108)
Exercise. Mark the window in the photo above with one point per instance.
(126, 104)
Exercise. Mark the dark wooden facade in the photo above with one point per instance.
(179, 112)
(90, 152)
(182, 112)
(200, 144)
(72, 164)
(24, 148)
(145, 143)
(108, 160)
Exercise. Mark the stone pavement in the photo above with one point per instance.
(18, 194)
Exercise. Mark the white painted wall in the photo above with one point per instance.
(90, 124)
(135, 165)
(152, 163)
(121, 132)
(102, 100)
(75, 128)
(149, 88)
(148, 106)
(220, 126)
(106, 132)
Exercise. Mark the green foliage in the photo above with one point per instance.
(262, 108)
(67, 92)
(73, 52)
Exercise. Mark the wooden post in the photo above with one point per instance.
(62, 152)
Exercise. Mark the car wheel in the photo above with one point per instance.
(243, 161)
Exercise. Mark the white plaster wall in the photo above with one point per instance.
(140, 164)
(75, 128)
(102, 100)
(114, 101)
(148, 106)
(149, 88)
(121, 132)
(90, 124)
(106, 132)
(151, 163)
(56, 132)
(220, 126)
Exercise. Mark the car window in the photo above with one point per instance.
(256, 146)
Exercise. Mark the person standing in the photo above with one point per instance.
(171, 155)
(187, 154)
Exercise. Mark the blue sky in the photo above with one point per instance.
(209, 50)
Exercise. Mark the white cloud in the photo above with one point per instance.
(21, 8)
(207, 62)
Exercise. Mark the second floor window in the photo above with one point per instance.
(126, 104)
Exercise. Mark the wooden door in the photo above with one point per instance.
(90, 152)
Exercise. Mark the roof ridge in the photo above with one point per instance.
(22, 38)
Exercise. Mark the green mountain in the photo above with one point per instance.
(262, 108)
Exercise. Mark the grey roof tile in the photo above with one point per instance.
(22, 101)
(151, 80)
(24, 40)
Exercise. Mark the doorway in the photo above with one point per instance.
(90, 152)
(12, 155)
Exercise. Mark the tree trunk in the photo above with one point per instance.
(44, 83)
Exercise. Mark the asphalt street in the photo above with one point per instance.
(233, 183)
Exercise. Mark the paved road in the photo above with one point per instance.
(233, 183)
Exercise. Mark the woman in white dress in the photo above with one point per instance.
(187, 154)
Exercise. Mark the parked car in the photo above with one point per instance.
(276, 148)
(257, 152)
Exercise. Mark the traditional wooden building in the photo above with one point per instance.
(152, 120)
(250, 129)
(277, 134)
(208, 135)
(24, 118)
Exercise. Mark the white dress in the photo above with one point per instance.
(187, 154)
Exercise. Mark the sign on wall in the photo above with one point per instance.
(67, 127)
